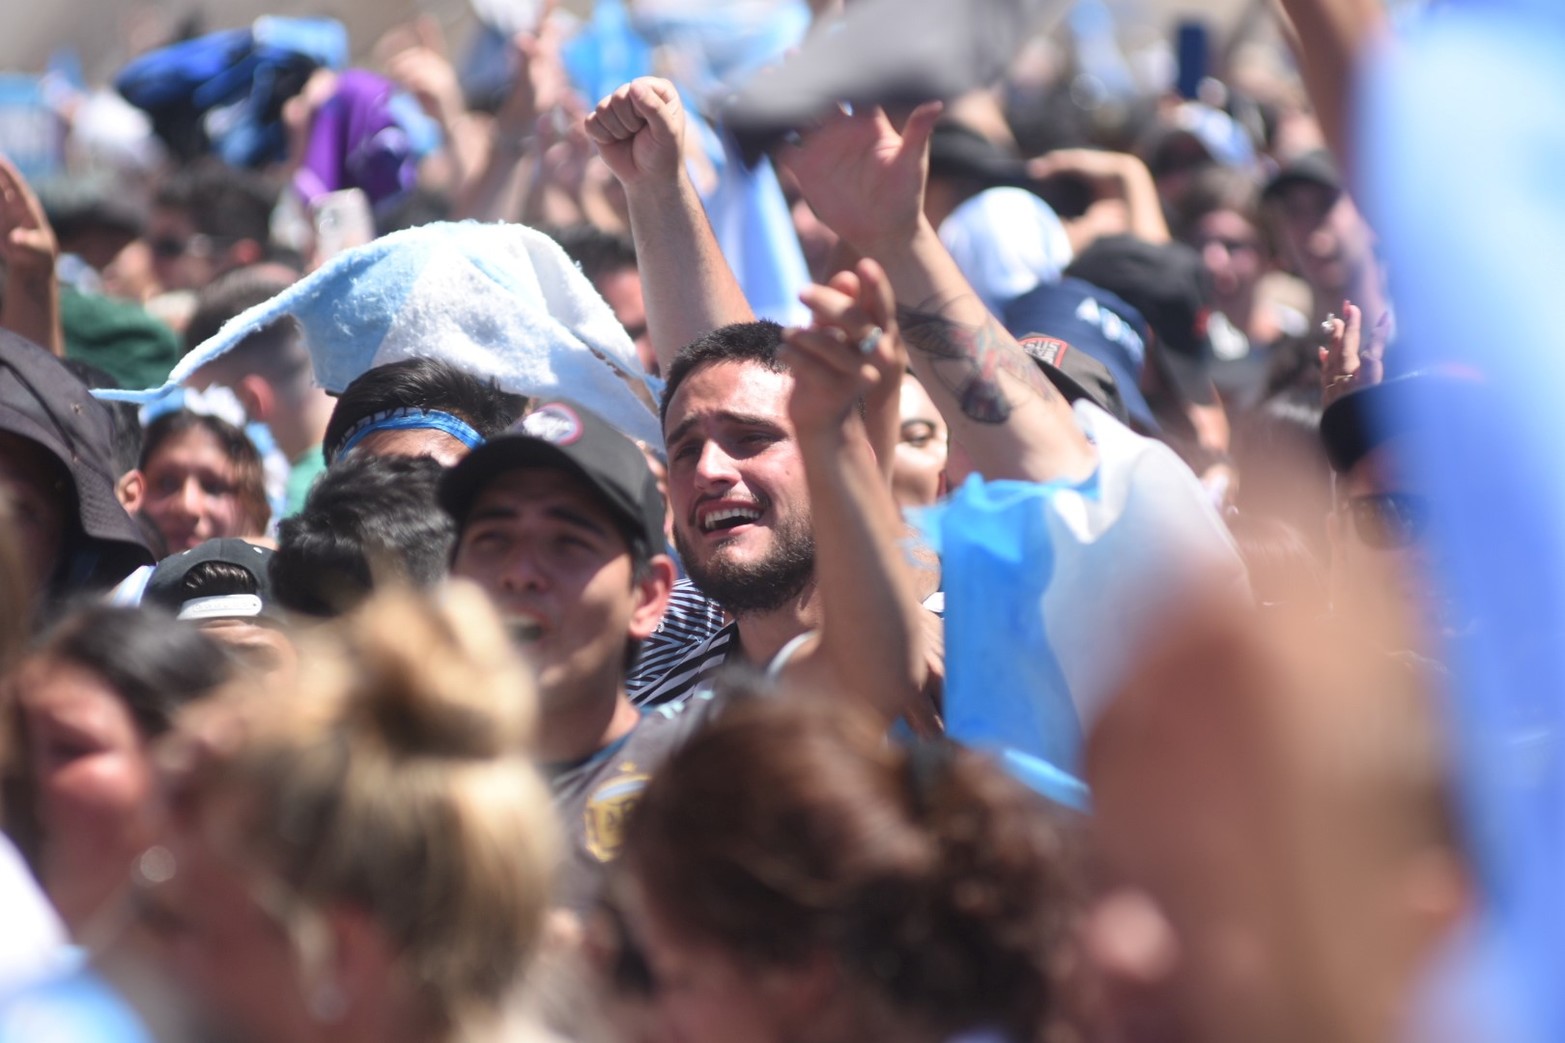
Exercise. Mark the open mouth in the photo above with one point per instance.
(726, 519)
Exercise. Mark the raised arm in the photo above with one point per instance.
(866, 181)
(871, 641)
(1329, 39)
(30, 298)
(687, 285)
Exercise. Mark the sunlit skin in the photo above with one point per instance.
(93, 781)
(191, 491)
(730, 446)
(444, 449)
(553, 558)
(621, 288)
(920, 455)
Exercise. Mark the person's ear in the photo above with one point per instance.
(257, 396)
(652, 594)
(131, 490)
(353, 969)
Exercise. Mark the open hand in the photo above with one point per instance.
(26, 239)
(1351, 360)
(640, 131)
(832, 370)
(861, 177)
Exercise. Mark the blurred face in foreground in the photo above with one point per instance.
(92, 781)
(1271, 821)
(1381, 564)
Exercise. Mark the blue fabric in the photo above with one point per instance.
(606, 54)
(754, 229)
(412, 420)
(76, 1007)
(1476, 245)
(224, 91)
(1005, 689)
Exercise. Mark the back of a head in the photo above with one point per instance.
(789, 828)
(367, 521)
(754, 342)
(421, 383)
(393, 774)
(596, 251)
(232, 293)
(224, 202)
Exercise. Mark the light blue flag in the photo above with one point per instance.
(496, 300)
(1464, 144)
(1051, 591)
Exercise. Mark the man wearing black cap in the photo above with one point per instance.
(1323, 237)
(223, 587)
(1380, 569)
(1168, 285)
(561, 522)
(55, 464)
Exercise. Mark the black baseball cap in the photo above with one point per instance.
(1076, 374)
(563, 434)
(164, 585)
(1168, 284)
(1364, 419)
(1311, 168)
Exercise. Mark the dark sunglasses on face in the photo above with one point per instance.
(171, 248)
(1388, 521)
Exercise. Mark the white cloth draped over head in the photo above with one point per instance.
(497, 300)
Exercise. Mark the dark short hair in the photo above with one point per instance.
(228, 295)
(422, 383)
(756, 342)
(367, 520)
(222, 201)
(596, 251)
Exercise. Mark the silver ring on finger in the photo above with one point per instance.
(871, 340)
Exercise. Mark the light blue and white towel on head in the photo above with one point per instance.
(496, 300)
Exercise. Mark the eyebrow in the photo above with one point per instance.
(728, 416)
(569, 515)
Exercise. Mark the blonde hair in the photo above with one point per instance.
(394, 774)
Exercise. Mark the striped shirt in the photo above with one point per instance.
(689, 643)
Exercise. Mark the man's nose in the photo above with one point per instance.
(714, 466)
(523, 569)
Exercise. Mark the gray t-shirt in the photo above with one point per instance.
(594, 796)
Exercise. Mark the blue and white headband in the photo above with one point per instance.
(409, 418)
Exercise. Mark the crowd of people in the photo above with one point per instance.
(449, 591)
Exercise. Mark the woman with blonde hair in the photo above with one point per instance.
(361, 852)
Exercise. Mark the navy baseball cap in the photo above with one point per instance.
(565, 435)
(1096, 323)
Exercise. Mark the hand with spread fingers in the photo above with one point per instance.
(30, 300)
(640, 131)
(863, 178)
(851, 350)
(1350, 360)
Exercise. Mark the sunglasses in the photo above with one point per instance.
(170, 248)
(1389, 521)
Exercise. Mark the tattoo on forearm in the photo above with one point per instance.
(968, 361)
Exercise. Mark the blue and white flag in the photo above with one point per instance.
(1462, 139)
(1052, 590)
